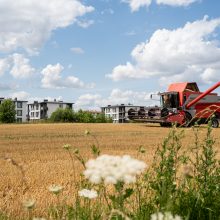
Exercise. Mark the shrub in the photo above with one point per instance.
(63, 115)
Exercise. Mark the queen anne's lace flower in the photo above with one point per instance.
(56, 189)
(29, 204)
(113, 169)
(91, 194)
(165, 216)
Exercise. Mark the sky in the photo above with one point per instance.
(99, 52)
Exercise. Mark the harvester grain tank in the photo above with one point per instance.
(184, 105)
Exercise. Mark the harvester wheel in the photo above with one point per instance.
(215, 123)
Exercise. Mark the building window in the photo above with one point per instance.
(19, 112)
(37, 114)
(19, 104)
(19, 119)
(37, 107)
(32, 114)
(69, 106)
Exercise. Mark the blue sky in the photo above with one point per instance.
(95, 53)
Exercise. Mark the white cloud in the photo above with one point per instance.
(135, 5)
(88, 101)
(130, 33)
(117, 96)
(28, 24)
(107, 11)
(21, 67)
(185, 54)
(176, 2)
(211, 75)
(21, 95)
(18, 66)
(77, 50)
(52, 79)
(85, 23)
(4, 66)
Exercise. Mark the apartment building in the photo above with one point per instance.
(43, 110)
(20, 108)
(120, 113)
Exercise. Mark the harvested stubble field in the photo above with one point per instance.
(37, 148)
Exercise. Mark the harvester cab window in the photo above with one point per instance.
(170, 100)
(166, 101)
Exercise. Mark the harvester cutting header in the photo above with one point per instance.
(184, 105)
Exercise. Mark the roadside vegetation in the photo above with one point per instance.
(180, 183)
(69, 115)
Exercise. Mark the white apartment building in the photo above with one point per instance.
(119, 113)
(43, 110)
(20, 108)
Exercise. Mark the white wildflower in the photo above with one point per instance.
(91, 194)
(87, 132)
(29, 204)
(66, 146)
(113, 169)
(56, 189)
(165, 216)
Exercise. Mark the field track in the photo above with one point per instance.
(37, 148)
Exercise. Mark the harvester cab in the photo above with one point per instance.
(169, 100)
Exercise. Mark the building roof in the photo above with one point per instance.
(122, 105)
(51, 102)
(15, 100)
(19, 100)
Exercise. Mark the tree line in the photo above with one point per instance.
(8, 115)
(68, 115)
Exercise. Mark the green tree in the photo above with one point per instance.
(57, 116)
(68, 115)
(63, 115)
(7, 111)
(101, 118)
(85, 117)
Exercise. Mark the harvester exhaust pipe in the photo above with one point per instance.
(208, 91)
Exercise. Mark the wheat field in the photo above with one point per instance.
(36, 150)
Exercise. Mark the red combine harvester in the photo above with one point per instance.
(184, 105)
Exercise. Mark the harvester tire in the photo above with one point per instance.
(214, 123)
